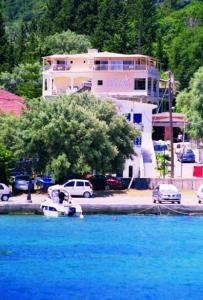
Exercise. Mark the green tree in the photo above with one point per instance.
(6, 162)
(25, 80)
(110, 31)
(77, 132)
(142, 25)
(179, 39)
(190, 102)
(4, 45)
(65, 42)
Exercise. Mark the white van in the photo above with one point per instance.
(182, 147)
(161, 147)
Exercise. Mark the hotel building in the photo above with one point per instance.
(132, 81)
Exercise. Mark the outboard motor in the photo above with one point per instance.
(71, 211)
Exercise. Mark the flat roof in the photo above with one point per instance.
(95, 55)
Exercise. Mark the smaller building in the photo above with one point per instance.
(161, 125)
(11, 103)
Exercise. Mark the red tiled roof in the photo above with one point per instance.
(165, 117)
(11, 103)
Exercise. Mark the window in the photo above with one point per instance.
(128, 65)
(71, 183)
(79, 183)
(100, 82)
(61, 62)
(154, 85)
(117, 65)
(1, 187)
(87, 183)
(101, 64)
(137, 118)
(128, 116)
(140, 84)
(149, 84)
(45, 85)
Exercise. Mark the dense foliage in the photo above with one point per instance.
(171, 30)
(6, 161)
(78, 132)
(190, 102)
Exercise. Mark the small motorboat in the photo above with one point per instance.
(60, 204)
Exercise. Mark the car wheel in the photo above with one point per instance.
(154, 201)
(172, 202)
(107, 187)
(4, 197)
(86, 195)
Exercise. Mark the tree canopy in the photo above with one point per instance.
(79, 133)
(168, 29)
(190, 102)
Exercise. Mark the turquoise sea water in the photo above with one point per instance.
(101, 257)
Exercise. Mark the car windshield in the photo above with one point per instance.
(22, 178)
(168, 189)
(160, 148)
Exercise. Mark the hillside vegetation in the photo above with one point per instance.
(170, 30)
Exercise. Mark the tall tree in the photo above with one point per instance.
(90, 135)
(4, 45)
(142, 25)
(110, 31)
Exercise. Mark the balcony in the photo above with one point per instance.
(57, 67)
(120, 67)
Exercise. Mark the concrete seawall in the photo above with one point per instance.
(143, 209)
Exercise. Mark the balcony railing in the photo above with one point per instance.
(120, 67)
(61, 67)
(57, 67)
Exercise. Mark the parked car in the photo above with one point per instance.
(114, 183)
(4, 192)
(44, 182)
(186, 156)
(21, 183)
(180, 147)
(200, 194)
(75, 187)
(99, 182)
(166, 193)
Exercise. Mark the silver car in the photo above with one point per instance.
(166, 193)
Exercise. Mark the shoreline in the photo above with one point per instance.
(138, 202)
(92, 209)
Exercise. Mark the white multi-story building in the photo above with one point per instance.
(132, 81)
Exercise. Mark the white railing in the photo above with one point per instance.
(123, 67)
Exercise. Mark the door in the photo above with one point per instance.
(69, 186)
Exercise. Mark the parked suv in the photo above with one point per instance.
(75, 187)
(4, 192)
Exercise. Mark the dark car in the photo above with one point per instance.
(187, 156)
(44, 182)
(99, 182)
(114, 183)
(21, 183)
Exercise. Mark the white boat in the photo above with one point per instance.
(60, 204)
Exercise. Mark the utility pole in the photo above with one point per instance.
(170, 99)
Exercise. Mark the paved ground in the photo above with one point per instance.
(108, 197)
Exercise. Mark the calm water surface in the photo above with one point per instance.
(101, 257)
